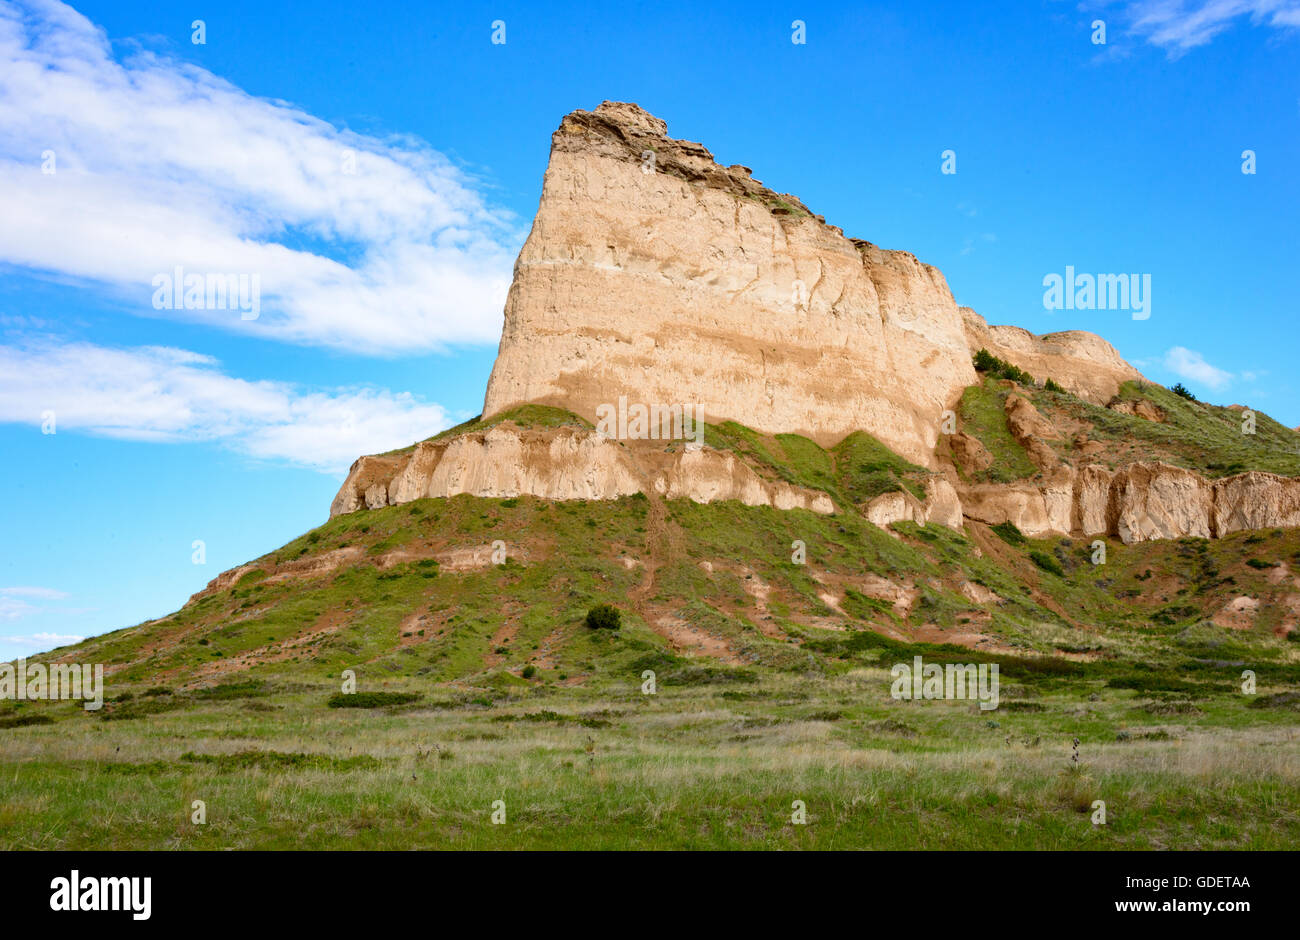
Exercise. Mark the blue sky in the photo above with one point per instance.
(381, 289)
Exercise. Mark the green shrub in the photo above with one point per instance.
(1153, 682)
(604, 617)
(1047, 562)
(985, 361)
(1052, 386)
(1008, 532)
(229, 690)
(1182, 392)
(371, 699)
(529, 671)
(22, 721)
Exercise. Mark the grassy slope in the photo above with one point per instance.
(1199, 436)
(983, 416)
(1196, 435)
(225, 700)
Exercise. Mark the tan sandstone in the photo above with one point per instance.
(561, 464)
(695, 283)
(1080, 362)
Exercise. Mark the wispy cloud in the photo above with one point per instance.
(1180, 25)
(14, 601)
(154, 393)
(159, 163)
(45, 641)
(43, 593)
(1191, 365)
(971, 242)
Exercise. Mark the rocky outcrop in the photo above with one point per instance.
(1159, 501)
(575, 463)
(561, 464)
(654, 272)
(707, 475)
(1141, 408)
(1255, 501)
(1021, 503)
(1031, 430)
(1137, 503)
(942, 504)
(969, 453)
(656, 276)
(898, 506)
(1080, 362)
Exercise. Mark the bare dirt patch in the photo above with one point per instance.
(1238, 614)
(689, 640)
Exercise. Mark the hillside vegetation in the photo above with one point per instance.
(1144, 422)
(479, 680)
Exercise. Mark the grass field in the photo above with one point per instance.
(714, 763)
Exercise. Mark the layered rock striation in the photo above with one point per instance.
(654, 272)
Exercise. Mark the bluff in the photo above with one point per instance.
(655, 275)
(654, 272)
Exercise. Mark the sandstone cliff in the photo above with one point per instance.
(653, 271)
(1082, 363)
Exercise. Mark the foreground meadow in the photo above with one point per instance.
(710, 763)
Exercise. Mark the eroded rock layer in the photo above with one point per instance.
(1136, 503)
(563, 463)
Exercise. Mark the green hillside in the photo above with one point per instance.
(483, 682)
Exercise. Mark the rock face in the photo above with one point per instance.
(652, 271)
(560, 463)
(1139, 409)
(1031, 430)
(1136, 503)
(1255, 501)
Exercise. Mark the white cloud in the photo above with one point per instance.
(162, 394)
(43, 593)
(45, 641)
(1191, 365)
(1179, 25)
(160, 164)
(11, 609)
